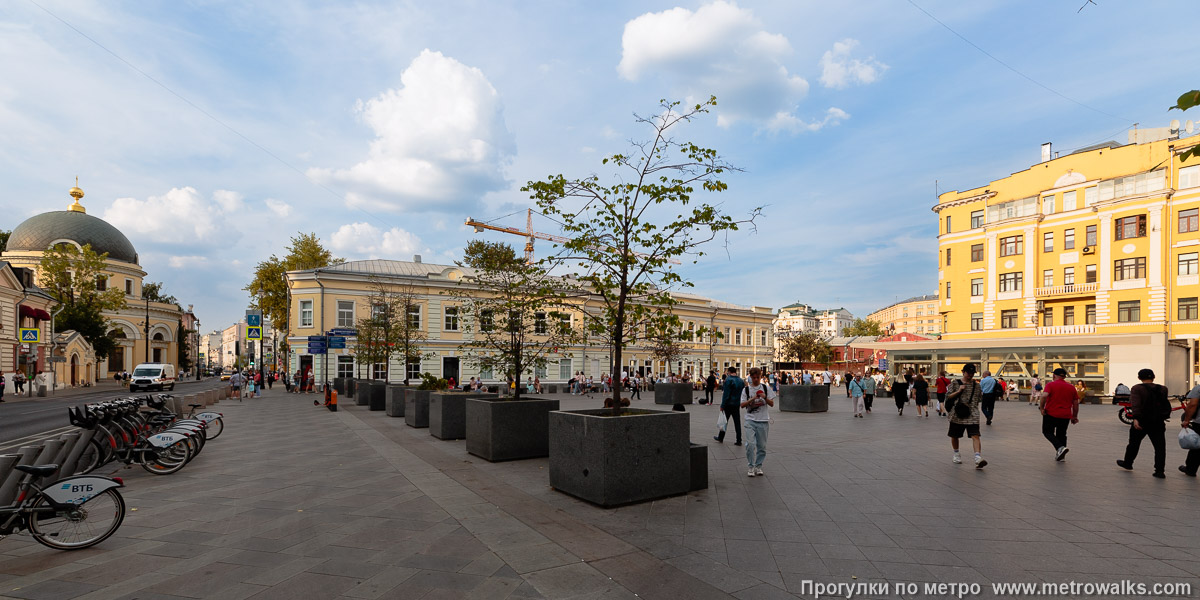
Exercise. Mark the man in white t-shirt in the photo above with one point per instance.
(757, 400)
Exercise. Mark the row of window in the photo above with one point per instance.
(1128, 311)
(1123, 269)
(102, 284)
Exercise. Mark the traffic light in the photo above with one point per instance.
(252, 364)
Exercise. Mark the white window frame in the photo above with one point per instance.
(344, 320)
(306, 314)
(1189, 177)
(1069, 202)
(450, 318)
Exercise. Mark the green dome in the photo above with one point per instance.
(39, 231)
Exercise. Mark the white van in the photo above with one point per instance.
(152, 376)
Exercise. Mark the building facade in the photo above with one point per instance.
(803, 317)
(1086, 261)
(336, 297)
(919, 315)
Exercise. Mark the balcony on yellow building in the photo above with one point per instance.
(1065, 291)
(1066, 330)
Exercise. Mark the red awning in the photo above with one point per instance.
(36, 313)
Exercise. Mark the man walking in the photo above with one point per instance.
(868, 386)
(731, 394)
(1060, 407)
(1151, 408)
(757, 399)
(990, 391)
(965, 396)
(847, 378)
(1191, 419)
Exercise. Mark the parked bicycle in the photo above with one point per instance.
(68, 514)
(156, 440)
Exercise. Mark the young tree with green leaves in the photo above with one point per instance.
(72, 275)
(517, 313)
(268, 289)
(370, 343)
(396, 314)
(863, 327)
(666, 345)
(626, 234)
(153, 291)
(805, 346)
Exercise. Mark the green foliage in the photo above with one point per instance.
(153, 291)
(387, 332)
(185, 341)
(4, 235)
(518, 313)
(625, 234)
(666, 345)
(87, 320)
(1188, 100)
(863, 327)
(268, 290)
(433, 382)
(806, 346)
(69, 274)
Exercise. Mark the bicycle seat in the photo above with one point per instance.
(39, 470)
(195, 405)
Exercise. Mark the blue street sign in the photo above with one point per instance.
(316, 350)
(31, 335)
(254, 320)
(337, 343)
(343, 331)
(316, 344)
(254, 333)
(316, 338)
(883, 363)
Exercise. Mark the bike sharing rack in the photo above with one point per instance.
(63, 451)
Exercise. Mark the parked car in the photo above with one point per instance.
(152, 376)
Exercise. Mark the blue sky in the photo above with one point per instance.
(382, 126)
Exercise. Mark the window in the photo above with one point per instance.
(976, 321)
(976, 219)
(158, 355)
(1048, 241)
(727, 338)
(1188, 219)
(451, 317)
(379, 371)
(1129, 268)
(1048, 205)
(1069, 200)
(976, 252)
(737, 339)
(1048, 278)
(345, 366)
(947, 292)
(486, 320)
(1048, 317)
(1068, 275)
(1089, 274)
(565, 368)
(414, 316)
(1188, 263)
(1069, 239)
(345, 313)
(1012, 245)
(1008, 319)
(412, 370)
(947, 223)
(564, 322)
(977, 287)
(1009, 210)
(1089, 314)
(1129, 311)
(947, 257)
(763, 336)
(101, 283)
(379, 311)
(1011, 282)
(484, 372)
(1189, 177)
(1068, 315)
(1131, 227)
(539, 323)
(1188, 308)
(1090, 238)
(306, 313)
(1089, 196)
(128, 287)
(1142, 183)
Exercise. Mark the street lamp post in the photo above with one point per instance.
(146, 330)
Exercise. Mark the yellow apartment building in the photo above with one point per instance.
(919, 315)
(1087, 261)
(338, 296)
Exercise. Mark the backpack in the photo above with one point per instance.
(961, 409)
(1163, 402)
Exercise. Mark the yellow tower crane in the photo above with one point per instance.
(529, 234)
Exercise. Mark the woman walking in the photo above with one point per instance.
(900, 391)
(921, 394)
(942, 383)
(857, 393)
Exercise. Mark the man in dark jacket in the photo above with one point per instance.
(731, 398)
(1151, 408)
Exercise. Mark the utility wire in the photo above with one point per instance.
(1014, 70)
(212, 117)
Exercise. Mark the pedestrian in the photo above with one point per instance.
(847, 378)
(1081, 390)
(731, 393)
(1191, 419)
(235, 385)
(757, 399)
(1035, 391)
(1150, 409)
(921, 394)
(1060, 408)
(941, 384)
(826, 378)
(250, 386)
(868, 384)
(19, 381)
(710, 384)
(964, 397)
(857, 393)
(297, 381)
(990, 390)
(1, 387)
(637, 387)
(270, 379)
(900, 391)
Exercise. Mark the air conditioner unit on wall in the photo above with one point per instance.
(1088, 250)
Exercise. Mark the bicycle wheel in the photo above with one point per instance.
(215, 427)
(1125, 415)
(80, 526)
(91, 458)
(169, 459)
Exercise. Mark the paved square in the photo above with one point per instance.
(293, 501)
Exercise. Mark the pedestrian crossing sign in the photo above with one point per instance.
(31, 335)
(254, 333)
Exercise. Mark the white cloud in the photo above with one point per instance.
(839, 70)
(790, 123)
(279, 207)
(181, 213)
(229, 202)
(180, 262)
(366, 240)
(441, 141)
(720, 49)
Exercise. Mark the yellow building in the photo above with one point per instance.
(919, 315)
(1086, 261)
(337, 297)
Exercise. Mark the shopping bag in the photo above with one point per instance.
(722, 421)
(1189, 439)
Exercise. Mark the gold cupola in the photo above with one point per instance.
(77, 193)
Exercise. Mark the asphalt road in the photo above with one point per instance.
(27, 419)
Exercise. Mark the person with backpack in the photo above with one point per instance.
(731, 393)
(1060, 408)
(858, 392)
(868, 386)
(941, 384)
(1150, 409)
(1035, 392)
(964, 397)
(757, 398)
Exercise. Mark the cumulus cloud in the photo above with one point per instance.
(366, 240)
(440, 141)
(839, 70)
(229, 202)
(790, 123)
(279, 207)
(718, 49)
(181, 213)
(179, 262)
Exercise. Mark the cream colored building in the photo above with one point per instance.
(918, 315)
(337, 296)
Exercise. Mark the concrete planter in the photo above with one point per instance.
(509, 429)
(339, 385)
(673, 393)
(416, 407)
(377, 398)
(699, 471)
(803, 398)
(611, 461)
(448, 414)
(362, 392)
(393, 399)
(552, 388)
(352, 386)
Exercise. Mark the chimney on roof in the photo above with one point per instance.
(416, 258)
(1046, 152)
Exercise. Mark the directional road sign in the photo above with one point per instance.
(337, 342)
(31, 335)
(254, 318)
(320, 350)
(316, 338)
(343, 331)
(254, 333)
(883, 364)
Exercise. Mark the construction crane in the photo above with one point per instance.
(529, 234)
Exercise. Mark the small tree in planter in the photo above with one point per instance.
(369, 343)
(396, 321)
(518, 313)
(806, 345)
(666, 345)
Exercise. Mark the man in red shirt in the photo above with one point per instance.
(1060, 407)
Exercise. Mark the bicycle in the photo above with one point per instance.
(1125, 412)
(64, 514)
(123, 432)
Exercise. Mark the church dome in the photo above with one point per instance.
(37, 233)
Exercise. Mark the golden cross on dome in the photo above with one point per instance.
(77, 193)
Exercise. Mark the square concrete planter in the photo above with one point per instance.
(699, 471)
(803, 398)
(393, 399)
(672, 393)
(377, 399)
(611, 461)
(448, 414)
(362, 392)
(339, 385)
(509, 429)
(416, 407)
